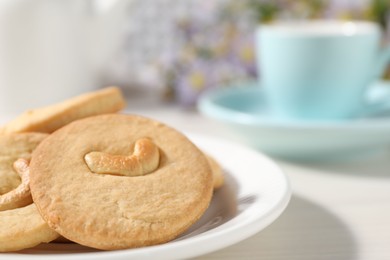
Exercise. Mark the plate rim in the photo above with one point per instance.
(238, 232)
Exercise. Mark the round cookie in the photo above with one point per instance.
(218, 178)
(21, 225)
(13, 147)
(107, 208)
(50, 118)
(23, 228)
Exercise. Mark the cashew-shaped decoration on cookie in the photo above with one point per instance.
(145, 159)
(20, 196)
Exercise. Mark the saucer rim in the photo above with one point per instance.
(207, 105)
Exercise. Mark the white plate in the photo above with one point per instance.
(255, 193)
(244, 110)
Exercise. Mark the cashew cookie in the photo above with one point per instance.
(22, 228)
(13, 147)
(218, 178)
(50, 118)
(21, 225)
(119, 181)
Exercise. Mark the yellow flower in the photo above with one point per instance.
(246, 54)
(197, 80)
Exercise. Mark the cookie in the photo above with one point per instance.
(20, 196)
(21, 225)
(83, 192)
(13, 147)
(216, 169)
(22, 228)
(50, 118)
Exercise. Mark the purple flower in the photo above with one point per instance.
(191, 80)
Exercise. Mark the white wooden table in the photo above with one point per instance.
(337, 211)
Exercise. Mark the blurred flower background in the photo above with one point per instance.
(178, 49)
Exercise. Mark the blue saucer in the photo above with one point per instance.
(243, 109)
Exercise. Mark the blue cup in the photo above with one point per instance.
(319, 69)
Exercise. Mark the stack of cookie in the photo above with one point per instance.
(83, 171)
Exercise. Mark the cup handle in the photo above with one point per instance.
(382, 62)
(380, 106)
(378, 101)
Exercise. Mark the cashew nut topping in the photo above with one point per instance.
(20, 196)
(145, 159)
